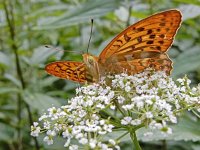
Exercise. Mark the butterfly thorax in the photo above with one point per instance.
(92, 67)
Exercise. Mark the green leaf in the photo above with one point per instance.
(10, 90)
(48, 81)
(4, 59)
(13, 79)
(80, 13)
(187, 129)
(6, 132)
(187, 61)
(58, 143)
(40, 101)
(41, 54)
(195, 2)
(49, 9)
(189, 11)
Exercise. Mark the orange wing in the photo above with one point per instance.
(68, 70)
(153, 34)
(157, 61)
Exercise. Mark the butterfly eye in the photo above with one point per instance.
(90, 61)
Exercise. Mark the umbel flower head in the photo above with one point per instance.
(149, 99)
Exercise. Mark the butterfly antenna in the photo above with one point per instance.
(90, 34)
(54, 48)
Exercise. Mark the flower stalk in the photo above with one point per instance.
(135, 140)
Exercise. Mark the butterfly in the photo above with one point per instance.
(140, 46)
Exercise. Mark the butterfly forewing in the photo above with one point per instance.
(154, 33)
(68, 70)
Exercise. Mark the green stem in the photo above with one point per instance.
(134, 139)
(122, 136)
(11, 25)
(185, 108)
(151, 6)
(119, 108)
(129, 15)
(196, 113)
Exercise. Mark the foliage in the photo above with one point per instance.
(27, 25)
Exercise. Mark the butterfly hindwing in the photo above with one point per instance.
(158, 62)
(68, 70)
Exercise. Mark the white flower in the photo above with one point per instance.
(35, 129)
(128, 107)
(67, 143)
(92, 143)
(108, 127)
(44, 116)
(120, 99)
(173, 119)
(169, 130)
(166, 130)
(48, 139)
(52, 110)
(73, 147)
(117, 147)
(126, 120)
(83, 141)
(47, 125)
(111, 95)
(136, 122)
(181, 81)
(113, 107)
(149, 114)
(127, 88)
(111, 141)
(66, 133)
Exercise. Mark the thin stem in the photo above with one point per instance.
(196, 113)
(134, 140)
(185, 108)
(11, 24)
(164, 145)
(129, 16)
(151, 6)
(122, 136)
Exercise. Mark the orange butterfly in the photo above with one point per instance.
(140, 46)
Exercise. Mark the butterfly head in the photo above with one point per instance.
(89, 60)
(92, 67)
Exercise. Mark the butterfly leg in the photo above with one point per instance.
(76, 70)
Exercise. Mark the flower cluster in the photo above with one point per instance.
(153, 99)
(150, 99)
(80, 120)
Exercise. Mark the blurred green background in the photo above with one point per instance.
(26, 90)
